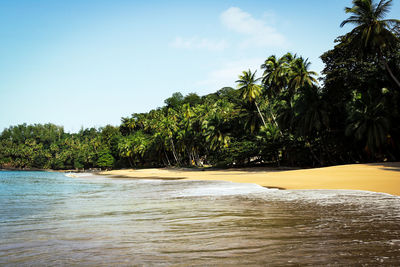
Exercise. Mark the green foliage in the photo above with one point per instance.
(174, 101)
(49, 147)
(373, 35)
(284, 117)
(369, 123)
(106, 160)
(192, 99)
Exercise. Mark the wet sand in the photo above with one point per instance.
(376, 177)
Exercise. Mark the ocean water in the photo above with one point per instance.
(51, 219)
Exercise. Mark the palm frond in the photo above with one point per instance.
(383, 8)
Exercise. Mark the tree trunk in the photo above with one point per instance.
(391, 73)
(381, 57)
(277, 159)
(193, 158)
(276, 124)
(130, 161)
(189, 157)
(314, 155)
(174, 152)
(166, 156)
(259, 112)
(197, 158)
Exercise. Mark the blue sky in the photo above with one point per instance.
(88, 63)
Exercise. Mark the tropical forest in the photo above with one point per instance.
(284, 115)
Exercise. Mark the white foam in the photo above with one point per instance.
(222, 189)
(335, 197)
(319, 197)
(78, 174)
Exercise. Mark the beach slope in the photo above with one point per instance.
(376, 177)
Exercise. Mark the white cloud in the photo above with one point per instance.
(228, 73)
(199, 43)
(258, 32)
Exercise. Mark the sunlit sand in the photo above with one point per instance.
(376, 177)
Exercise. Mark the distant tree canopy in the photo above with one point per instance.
(285, 116)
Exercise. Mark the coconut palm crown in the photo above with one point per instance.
(372, 30)
(372, 33)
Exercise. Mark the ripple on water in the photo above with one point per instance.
(98, 221)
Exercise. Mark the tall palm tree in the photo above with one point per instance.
(373, 33)
(169, 127)
(300, 75)
(275, 76)
(249, 89)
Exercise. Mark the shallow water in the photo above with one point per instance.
(50, 219)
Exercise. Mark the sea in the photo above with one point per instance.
(51, 219)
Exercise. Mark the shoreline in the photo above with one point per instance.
(375, 177)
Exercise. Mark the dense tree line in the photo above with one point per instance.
(283, 117)
(49, 147)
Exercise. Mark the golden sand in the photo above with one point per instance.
(377, 177)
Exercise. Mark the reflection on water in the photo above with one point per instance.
(50, 219)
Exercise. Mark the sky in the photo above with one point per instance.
(87, 63)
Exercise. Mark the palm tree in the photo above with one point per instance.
(169, 127)
(369, 123)
(215, 131)
(270, 138)
(373, 33)
(250, 116)
(249, 89)
(311, 112)
(275, 76)
(185, 134)
(125, 149)
(300, 75)
(276, 81)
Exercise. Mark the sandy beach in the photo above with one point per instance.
(376, 177)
